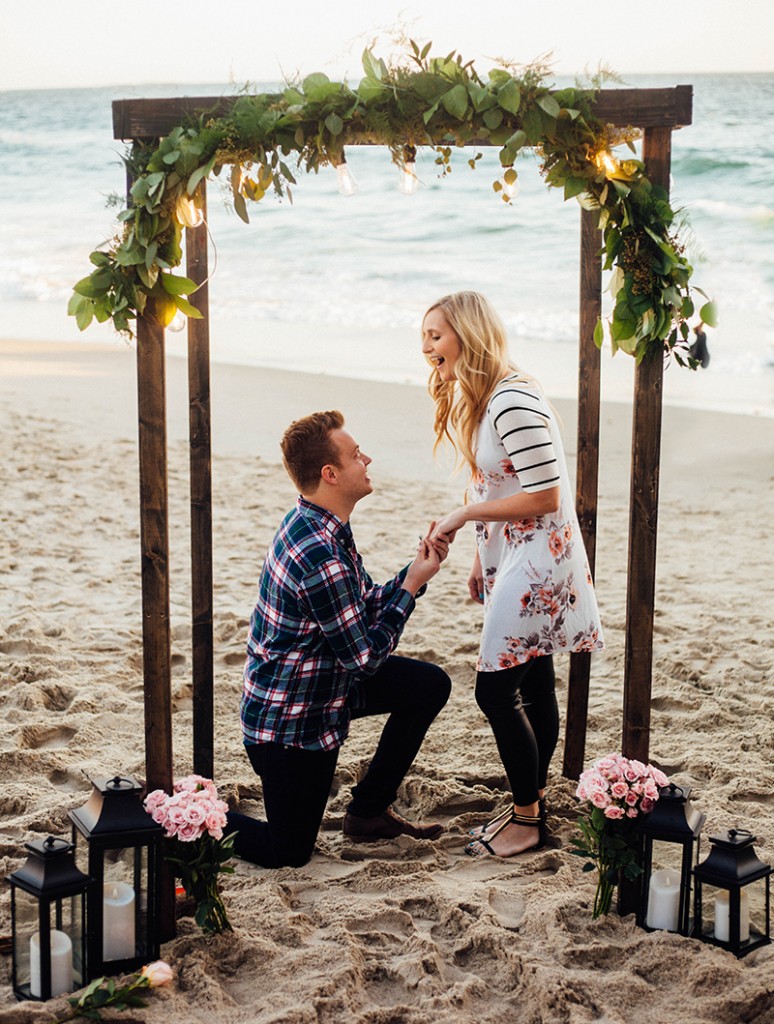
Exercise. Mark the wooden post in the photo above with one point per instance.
(643, 510)
(587, 474)
(201, 498)
(151, 412)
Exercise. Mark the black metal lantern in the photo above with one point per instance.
(121, 853)
(670, 853)
(48, 921)
(733, 900)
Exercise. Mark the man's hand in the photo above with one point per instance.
(440, 543)
(423, 568)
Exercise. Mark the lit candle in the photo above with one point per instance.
(118, 941)
(723, 917)
(61, 964)
(664, 900)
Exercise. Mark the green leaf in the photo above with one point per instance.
(493, 118)
(509, 97)
(334, 124)
(315, 81)
(599, 334)
(517, 140)
(186, 307)
(708, 314)
(549, 105)
(86, 288)
(369, 89)
(455, 101)
(574, 187)
(174, 285)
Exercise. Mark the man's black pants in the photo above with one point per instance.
(296, 782)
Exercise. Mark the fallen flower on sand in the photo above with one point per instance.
(104, 992)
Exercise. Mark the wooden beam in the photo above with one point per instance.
(199, 421)
(642, 108)
(587, 474)
(643, 511)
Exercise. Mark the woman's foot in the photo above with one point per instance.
(516, 834)
(491, 826)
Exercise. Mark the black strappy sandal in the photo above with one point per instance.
(531, 821)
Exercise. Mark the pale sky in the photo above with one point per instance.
(73, 43)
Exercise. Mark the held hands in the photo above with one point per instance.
(446, 528)
(427, 562)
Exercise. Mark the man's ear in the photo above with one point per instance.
(328, 474)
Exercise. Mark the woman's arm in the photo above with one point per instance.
(524, 505)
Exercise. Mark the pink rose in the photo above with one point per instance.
(647, 805)
(195, 814)
(620, 790)
(614, 813)
(601, 800)
(187, 832)
(658, 777)
(631, 799)
(154, 800)
(158, 973)
(632, 812)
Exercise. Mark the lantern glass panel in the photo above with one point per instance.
(64, 918)
(717, 904)
(124, 903)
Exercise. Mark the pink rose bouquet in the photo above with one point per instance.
(193, 818)
(617, 791)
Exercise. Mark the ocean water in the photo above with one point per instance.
(353, 268)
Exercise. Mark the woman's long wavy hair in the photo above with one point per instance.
(483, 362)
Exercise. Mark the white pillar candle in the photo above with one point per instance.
(61, 964)
(118, 939)
(723, 917)
(664, 900)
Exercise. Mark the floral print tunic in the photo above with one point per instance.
(538, 594)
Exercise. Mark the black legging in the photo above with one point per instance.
(520, 703)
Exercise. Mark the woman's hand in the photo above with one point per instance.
(476, 581)
(440, 543)
(448, 525)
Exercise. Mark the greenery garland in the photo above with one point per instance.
(431, 101)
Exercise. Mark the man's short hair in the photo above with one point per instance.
(307, 446)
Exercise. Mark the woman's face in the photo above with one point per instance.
(440, 345)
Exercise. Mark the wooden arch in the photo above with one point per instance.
(657, 112)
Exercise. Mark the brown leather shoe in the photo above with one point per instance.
(387, 825)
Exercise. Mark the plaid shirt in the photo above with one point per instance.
(319, 626)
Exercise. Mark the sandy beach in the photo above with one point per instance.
(401, 931)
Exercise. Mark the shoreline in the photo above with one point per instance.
(392, 357)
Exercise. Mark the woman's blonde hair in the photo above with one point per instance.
(483, 362)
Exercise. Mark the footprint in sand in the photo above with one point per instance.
(508, 907)
(40, 737)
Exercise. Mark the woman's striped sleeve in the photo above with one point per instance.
(521, 420)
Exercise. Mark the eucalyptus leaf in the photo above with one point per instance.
(509, 97)
(708, 314)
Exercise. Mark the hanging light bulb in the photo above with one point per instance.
(606, 162)
(511, 187)
(408, 182)
(188, 213)
(178, 322)
(345, 179)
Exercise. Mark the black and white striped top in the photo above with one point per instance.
(521, 418)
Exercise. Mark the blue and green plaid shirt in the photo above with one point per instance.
(319, 626)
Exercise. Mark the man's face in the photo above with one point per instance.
(352, 471)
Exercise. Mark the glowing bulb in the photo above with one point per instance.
(188, 213)
(178, 322)
(408, 182)
(345, 179)
(606, 162)
(511, 187)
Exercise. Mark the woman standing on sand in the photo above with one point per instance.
(530, 570)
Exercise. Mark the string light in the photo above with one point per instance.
(188, 213)
(408, 182)
(345, 179)
(511, 187)
(606, 162)
(178, 322)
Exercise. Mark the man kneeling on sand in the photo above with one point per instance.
(319, 653)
